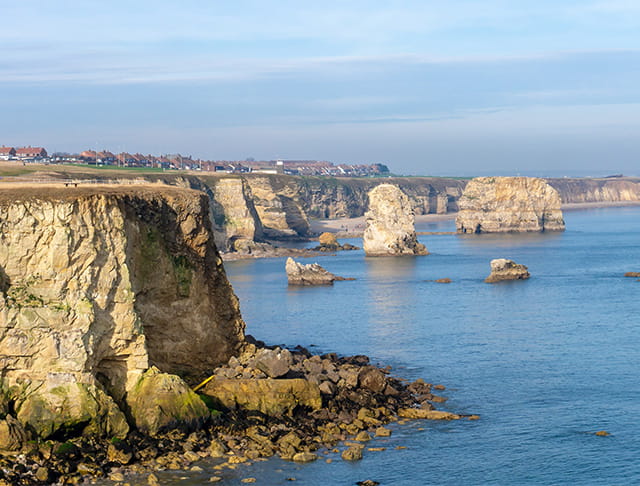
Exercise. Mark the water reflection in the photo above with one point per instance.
(391, 299)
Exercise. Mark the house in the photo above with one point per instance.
(7, 153)
(31, 153)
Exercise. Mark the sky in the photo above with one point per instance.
(455, 87)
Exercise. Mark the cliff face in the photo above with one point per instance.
(100, 283)
(503, 204)
(610, 190)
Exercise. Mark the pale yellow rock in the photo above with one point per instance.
(390, 229)
(271, 397)
(99, 282)
(420, 413)
(509, 204)
(278, 208)
(234, 213)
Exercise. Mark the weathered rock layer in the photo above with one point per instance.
(509, 204)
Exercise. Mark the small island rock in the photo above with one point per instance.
(312, 274)
(390, 227)
(503, 269)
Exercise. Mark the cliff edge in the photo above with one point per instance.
(97, 285)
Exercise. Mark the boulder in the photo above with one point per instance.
(390, 226)
(273, 362)
(509, 204)
(329, 241)
(271, 397)
(311, 274)
(632, 274)
(71, 408)
(161, 401)
(503, 269)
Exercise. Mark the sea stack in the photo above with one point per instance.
(509, 204)
(390, 229)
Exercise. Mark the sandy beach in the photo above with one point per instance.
(352, 227)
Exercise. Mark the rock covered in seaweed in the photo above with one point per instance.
(390, 229)
(509, 204)
(503, 269)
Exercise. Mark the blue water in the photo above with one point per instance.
(545, 362)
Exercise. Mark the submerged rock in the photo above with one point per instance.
(509, 204)
(311, 274)
(503, 269)
(390, 229)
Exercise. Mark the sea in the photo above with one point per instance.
(545, 362)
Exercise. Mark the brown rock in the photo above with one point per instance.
(503, 269)
(372, 379)
(443, 280)
(353, 453)
(12, 434)
(632, 274)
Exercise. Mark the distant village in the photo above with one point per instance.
(40, 155)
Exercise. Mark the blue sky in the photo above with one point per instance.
(428, 87)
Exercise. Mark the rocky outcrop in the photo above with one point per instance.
(98, 284)
(329, 243)
(390, 224)
(503, 269)
(509, 204)
(311, 274)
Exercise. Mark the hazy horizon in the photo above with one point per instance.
(460, 88)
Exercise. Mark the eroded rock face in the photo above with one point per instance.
(234, 214)
(390, 224)
(280, 213)
(503, 269)
(509, 204)
(311, 274)
(99, 283)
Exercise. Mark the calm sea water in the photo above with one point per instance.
(545, 362)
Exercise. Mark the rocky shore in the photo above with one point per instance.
(341, 404)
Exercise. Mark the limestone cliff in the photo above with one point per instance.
(390, 224)
(99, 283)
(605, 190)
(504, 204)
